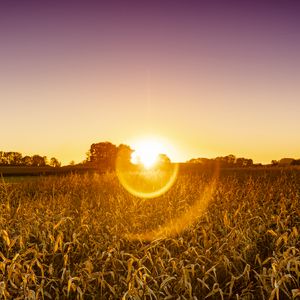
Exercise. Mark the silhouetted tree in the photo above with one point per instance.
(54, 162)
(27, 161)
(230, 159)
(244, 162)
(224, 161)
(103, 155)
(285, 161)
(199, 160)
(124, 154)
(125, 151)
(248, 162)
(3, 158)
(39, 161)
(10, 158)
(15, 158)
(296, 162)
(163, 159)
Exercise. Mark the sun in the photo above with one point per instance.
(146, 152)
(148, 172)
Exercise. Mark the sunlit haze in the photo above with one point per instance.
(212, 78)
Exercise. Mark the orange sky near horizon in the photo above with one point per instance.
(210, 81)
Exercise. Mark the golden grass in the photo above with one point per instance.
(68, 237)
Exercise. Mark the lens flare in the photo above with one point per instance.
(147, 158)
(146, 152)
(145, 173)
(177, 225)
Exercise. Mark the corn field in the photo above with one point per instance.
(86, 237)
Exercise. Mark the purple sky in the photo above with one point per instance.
(213, 79)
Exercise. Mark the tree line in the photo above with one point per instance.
(233, 161)
(225, 161)
(12, 158)
(103, 156)
(286, 162)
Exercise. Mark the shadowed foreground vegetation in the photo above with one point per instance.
(67, 237)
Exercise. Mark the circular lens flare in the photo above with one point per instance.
(152, 180)
(177, 225)
(145, 173)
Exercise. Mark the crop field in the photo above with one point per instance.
(231, 236)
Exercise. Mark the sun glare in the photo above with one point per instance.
(146, 153)
(146, 174)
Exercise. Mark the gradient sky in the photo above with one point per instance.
(212, 78)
